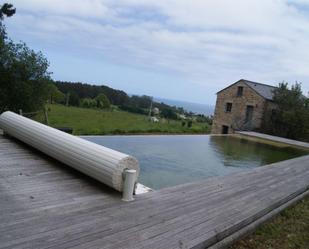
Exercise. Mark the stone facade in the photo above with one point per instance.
(235, 111)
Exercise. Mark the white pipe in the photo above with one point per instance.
(129, 185)
(104, 164)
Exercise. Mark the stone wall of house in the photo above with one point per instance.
(235, 120)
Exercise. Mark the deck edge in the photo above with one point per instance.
(257, 223)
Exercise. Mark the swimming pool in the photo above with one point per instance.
(169, 160)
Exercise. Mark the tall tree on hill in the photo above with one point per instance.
(24, 76)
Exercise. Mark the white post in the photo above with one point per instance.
(129, 185)
(21, 112)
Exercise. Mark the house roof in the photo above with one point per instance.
(266, 91)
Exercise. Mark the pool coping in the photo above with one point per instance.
(274, 138)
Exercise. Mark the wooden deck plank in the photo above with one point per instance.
(190, 222)
(70, 210)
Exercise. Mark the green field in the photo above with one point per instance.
(103, 122)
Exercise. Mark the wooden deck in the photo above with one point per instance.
(275, 138)
(45, 204)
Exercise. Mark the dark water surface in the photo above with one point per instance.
(172, 160)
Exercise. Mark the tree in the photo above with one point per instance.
(54, 95)
(102, 101)
(290, 117)
(116, 97)
(189, 124)
(24, 75)
(88, 103)
(140, 101)
(168, 113)
(74, 99)
(7, 10)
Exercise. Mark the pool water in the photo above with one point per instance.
(169, 160)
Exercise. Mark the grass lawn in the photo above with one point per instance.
(102, 122)
(288, 230)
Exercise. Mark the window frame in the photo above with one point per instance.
(240, 93)
(228, 106)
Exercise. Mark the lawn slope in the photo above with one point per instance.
(102, 122)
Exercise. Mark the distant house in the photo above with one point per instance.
(242, 106)
(156, 111)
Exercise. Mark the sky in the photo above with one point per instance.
(176, 49)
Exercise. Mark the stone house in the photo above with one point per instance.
(242, 106)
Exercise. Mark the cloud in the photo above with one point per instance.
(206, 42)
(77, 8)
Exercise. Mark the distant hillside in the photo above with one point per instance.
(116, 97)
(189, 106)
(78, 92)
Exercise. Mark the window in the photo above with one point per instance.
(240, 90)
(228, 107)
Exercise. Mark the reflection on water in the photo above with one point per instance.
(172, 160)
(240, 152)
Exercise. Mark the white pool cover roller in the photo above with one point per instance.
(104, 164)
